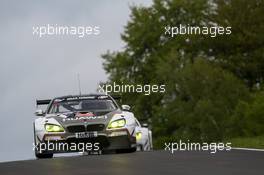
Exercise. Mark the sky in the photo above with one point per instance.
(39, 68)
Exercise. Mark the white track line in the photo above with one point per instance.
(249, 149)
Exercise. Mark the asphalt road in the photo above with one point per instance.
(234, 162)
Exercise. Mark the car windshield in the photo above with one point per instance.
(82, 105)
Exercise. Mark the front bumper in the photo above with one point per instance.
(105, 140)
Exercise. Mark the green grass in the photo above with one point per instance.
(248, 142)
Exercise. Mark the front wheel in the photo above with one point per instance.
(43, 156)
(129, 150)
(40, 155)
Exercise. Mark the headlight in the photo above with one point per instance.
(53, 128)
(117, 124)
(138, 136)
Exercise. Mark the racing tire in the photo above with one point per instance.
(43, 156)
(129, 150)
(108, 151)
(39, 155)
(140, 148)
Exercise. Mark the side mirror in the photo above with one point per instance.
(39, 112)
(145, 125)
(126, 107)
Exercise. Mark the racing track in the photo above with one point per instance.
(234, 162)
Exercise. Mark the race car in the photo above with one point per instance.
(143, 137)
(87, 123)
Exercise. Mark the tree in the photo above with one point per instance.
(248, 118)
(147, 46)
(203, 75)
(242, 51)
(200, 101)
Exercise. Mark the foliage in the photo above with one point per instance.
(248, 118)
(208, 79)
(200, 101)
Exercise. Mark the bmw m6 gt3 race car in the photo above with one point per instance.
(87, 123)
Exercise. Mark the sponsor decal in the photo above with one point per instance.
(85, 118)
(89, 114)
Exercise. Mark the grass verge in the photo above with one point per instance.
(248, 142)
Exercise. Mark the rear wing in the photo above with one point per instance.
(47, 101)
(116, 97)
(43, 102)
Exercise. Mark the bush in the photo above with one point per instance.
(200, 106)
(248, 119)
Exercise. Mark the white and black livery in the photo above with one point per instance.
(87, 123)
